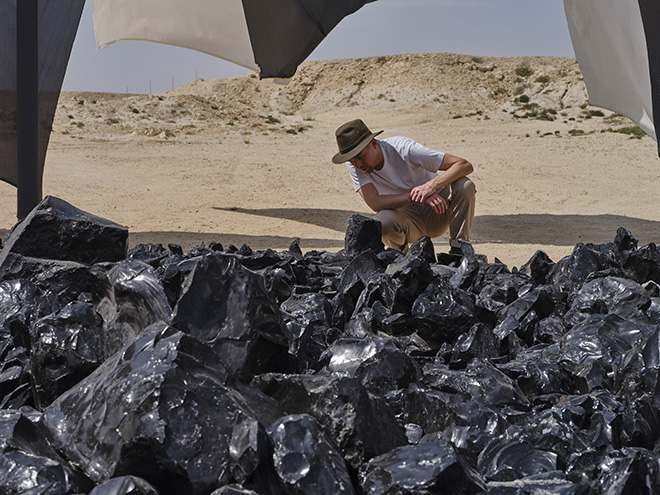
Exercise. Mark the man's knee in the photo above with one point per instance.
(393, 229)
(463, 188)
(388, 220)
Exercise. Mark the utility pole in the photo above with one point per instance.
(30, 179)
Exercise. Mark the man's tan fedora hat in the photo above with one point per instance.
(352, 137)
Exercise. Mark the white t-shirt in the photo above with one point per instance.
(408, 164)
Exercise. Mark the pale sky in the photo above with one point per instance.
(500, 28)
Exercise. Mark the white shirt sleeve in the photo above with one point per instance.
(360, 179)
(424, 157)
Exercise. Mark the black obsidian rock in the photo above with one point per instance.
(443, 312)
(358, 272)
(361, 424)
(63, 282)
(480, 342)
(309, 318)
(500, 291)
(538, 267)
(507, 459)
(422, 248)
(429, 467)
(162, 409)
(599, 345)
(569, 273)
(152, 254)
(553, 483)
(523, 315)
(431, 410)
(227, 307)
(468, 270)
(240, 372)
(608, 295)
(388, 370)
(125, 485)
(29, 464)
(412, 275)
(249, 453)
(66, 347)
(306, 459)
(362, 234)
(643, 264)
(347, 354)
(280, 281)
(234, 490)
(19, 305)
(136, 300)
(630, 470)
(58, 230)
(379, 363)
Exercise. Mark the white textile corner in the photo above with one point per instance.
(215, 27)
(610, 46)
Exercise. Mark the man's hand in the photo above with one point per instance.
(437, 202)
(420, 194)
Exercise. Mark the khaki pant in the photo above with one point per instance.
(406, 225)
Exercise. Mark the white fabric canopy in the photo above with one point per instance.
(611, 48)
(272, 36)
(216, 27)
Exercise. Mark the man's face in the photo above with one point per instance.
(367, 160)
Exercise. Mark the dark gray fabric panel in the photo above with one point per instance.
(284, 32)
(58, 23)
(650, 10)
(8, 150)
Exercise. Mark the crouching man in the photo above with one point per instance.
(414, 190)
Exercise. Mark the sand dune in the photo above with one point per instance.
(246, 161)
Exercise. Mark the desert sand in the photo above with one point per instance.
(247, 161)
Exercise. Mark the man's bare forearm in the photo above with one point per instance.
(378, 202)
(457, 170)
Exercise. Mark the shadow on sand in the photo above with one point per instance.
(322, 217)
(553, 230)
(559, 230)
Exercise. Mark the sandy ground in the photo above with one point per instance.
(243, 161)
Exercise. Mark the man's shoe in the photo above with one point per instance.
(456, 251)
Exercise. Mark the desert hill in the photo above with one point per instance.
(241, 160)
(450, 86)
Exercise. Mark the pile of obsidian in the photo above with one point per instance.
(233, 371)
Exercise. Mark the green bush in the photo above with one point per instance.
(547, 114)
(633, 131)
(524, 70)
